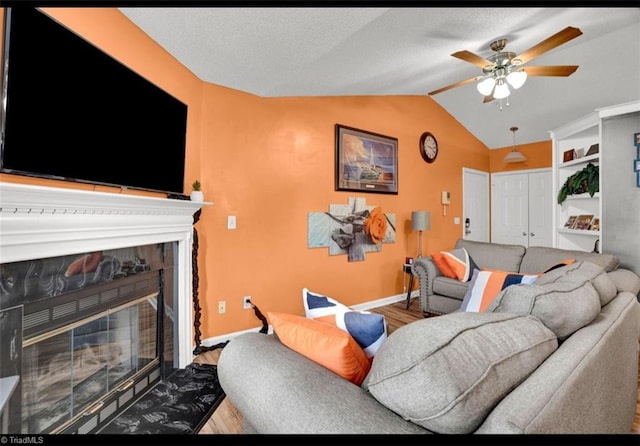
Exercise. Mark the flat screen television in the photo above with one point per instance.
(74, 113)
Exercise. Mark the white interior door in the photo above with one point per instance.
(510, 208)
(540, 209)
(521, 208)
(475, 205)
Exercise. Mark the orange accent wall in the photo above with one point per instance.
(270, 162)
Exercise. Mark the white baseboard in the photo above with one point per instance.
(362, 307)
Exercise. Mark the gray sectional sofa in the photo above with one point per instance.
(441, 295)
(556, 356)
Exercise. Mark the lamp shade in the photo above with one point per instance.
(502, 89)
(485, 87)
(420, 220)
(514, 157)
(517, 78)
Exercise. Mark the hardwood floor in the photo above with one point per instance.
(227, 419)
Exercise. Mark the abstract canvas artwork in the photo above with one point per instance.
(353, 229)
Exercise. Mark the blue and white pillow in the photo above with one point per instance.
(368, 329)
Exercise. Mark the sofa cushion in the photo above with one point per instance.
(494, 255)
(538, 259)
(368, 329)
(579, 272)
(447, 373)
(486, 285)
(563, 307)
(450, 287)
(323, 343)
(461, 263)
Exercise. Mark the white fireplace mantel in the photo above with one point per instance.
(39, 222)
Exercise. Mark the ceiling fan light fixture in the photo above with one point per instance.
(485, 87)
(502, 89)
(517, 78)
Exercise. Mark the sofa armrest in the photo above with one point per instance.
(279, 391)
(588, 386)
(425, 270)
(625, 280)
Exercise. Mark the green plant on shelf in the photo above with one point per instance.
(583, 181)
(196, 185)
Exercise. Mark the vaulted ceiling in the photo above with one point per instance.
(407, 51)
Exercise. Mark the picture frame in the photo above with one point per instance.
(636, 139)
(365, 161)
(568, 155)
(593, 149)
(583, 222)
(571, 221)
(636, 165)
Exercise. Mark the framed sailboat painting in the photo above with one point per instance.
(365, 161)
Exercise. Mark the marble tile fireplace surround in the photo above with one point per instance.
(55, 226)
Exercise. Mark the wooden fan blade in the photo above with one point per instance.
(490, 97)
(550, 43)
(468, 56)
(553, 70)
(457, 84)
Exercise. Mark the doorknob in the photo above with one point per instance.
(524, 233)
(533, 234)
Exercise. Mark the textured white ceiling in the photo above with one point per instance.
(407, 51)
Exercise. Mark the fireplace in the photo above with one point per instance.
(95, 303)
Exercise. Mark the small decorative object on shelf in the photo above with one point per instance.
(593, 149)
(585, 180)
(196, 192)
(569, 155)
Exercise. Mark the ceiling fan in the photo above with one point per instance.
(504, 68)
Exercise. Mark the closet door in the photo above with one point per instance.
(521, 208)
(510, 209)
(540, 209)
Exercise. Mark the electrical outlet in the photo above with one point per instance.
(246, 302)
(222, 307)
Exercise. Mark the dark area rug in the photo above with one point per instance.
(181, 404)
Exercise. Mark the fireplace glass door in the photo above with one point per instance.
(66, 370)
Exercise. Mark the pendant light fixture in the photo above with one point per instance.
(514, 156)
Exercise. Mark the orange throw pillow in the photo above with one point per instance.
(560, 265)
(442, 265)
(323, 343)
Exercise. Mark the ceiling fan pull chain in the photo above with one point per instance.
(506, 103)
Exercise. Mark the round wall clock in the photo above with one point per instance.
(428, 147)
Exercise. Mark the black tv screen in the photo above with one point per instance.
(72, 112)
